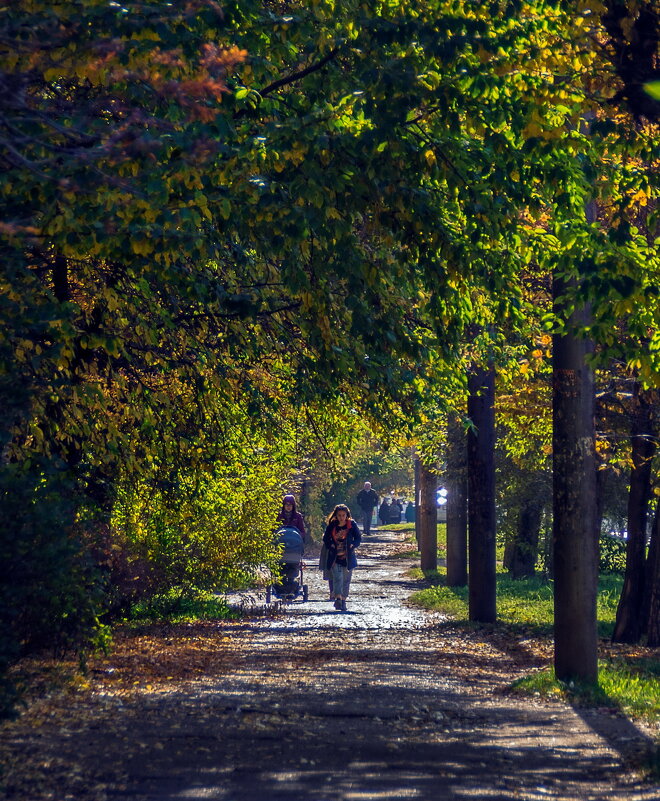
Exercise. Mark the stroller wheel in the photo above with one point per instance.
(268, 594)
(305, 593)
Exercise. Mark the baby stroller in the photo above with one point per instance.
(290, 585)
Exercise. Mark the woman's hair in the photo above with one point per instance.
(340, 507)
(289, 499)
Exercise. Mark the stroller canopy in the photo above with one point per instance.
(293, 544)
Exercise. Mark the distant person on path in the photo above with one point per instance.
(410, 512)
(367, 499)
(384, 512)
(290, 517)
(342, 536)
(395, 511)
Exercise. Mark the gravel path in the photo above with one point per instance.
(383, 702)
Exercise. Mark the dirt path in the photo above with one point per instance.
(384, 702)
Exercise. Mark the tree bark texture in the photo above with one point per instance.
(456, 485)
(428, 545)
(575, 539)
(630, 623)
(481, 495)
(418, 503)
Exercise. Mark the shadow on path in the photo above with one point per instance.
(381, 703)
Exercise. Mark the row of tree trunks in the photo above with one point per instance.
(470, 483)
(576, 516)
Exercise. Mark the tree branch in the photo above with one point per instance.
(296, 76)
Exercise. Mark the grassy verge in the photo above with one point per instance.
(399, 527)
(524, 603)
(629, 685)
(629, 682)
(633, 686)
(174, 608)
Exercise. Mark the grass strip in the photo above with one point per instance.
(630, 684)
(524, 603)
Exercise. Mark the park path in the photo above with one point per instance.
(384, 702)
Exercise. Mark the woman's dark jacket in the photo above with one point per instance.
(353, 539)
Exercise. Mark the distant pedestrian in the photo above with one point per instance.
(367, 499)
(395, 511)
(384, 512)
(341, 538)
(410, 512)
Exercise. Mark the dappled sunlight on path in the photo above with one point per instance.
(382, 702)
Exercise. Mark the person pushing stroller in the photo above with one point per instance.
(291, 535)
(342, 536)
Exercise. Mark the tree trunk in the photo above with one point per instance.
(481, 495)
(525, 548)
(418, 503)
(61, 288)
(456, 484)
(575, 539)
(428, 531)
(653, 584)
(630, 622)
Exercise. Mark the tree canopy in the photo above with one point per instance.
(232, 229)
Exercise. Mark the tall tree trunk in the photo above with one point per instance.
(428, 531)
(575, 539)
(481, 495)
(653, 584)
(456, 484)
(418, 502)
(61, 288)
(526, 545)
(630, 622)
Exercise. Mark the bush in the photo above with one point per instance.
(129, 577)
(50, 595)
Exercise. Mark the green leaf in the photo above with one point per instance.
(653, 89)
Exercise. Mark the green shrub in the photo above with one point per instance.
(50, 593)
(176, 608)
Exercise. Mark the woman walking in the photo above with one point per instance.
(291, 517)
(342, 536)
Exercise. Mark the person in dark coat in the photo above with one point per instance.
(384, 512)
(290, 517)
(367, 499)
(395, 511)
(342, 536)
(410, 512)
